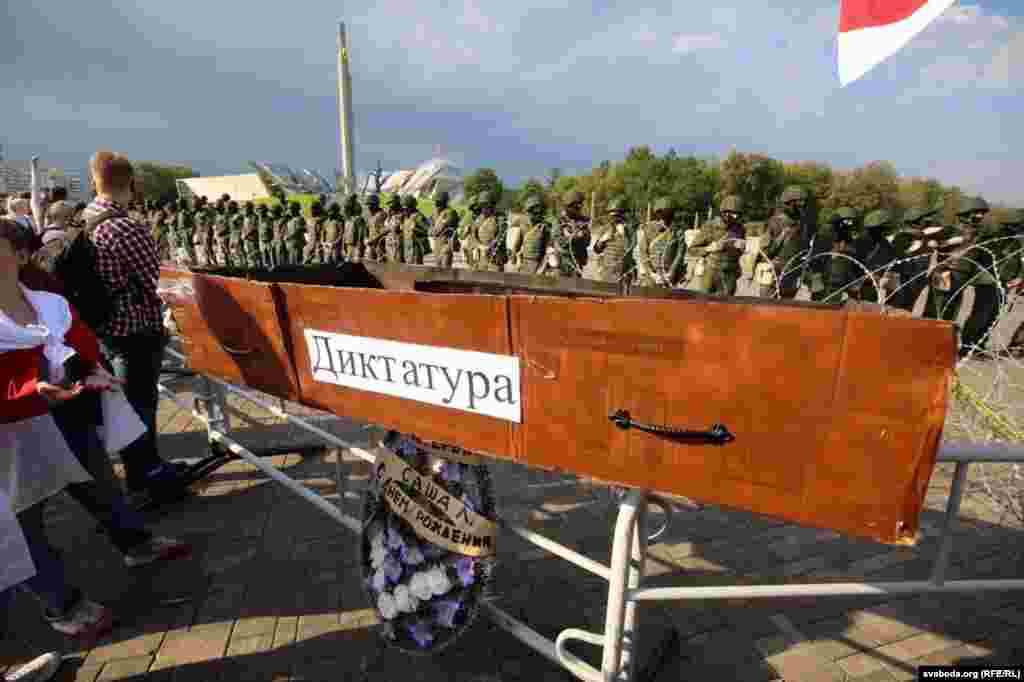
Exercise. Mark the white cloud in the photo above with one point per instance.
(645, 35)
(684, 43)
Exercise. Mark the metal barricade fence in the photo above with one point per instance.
(629, 538)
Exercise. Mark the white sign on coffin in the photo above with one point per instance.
(480, 383)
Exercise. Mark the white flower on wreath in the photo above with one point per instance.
(386, 606)
(377, 556)
(420, 586)
(405, 600)
(438, 580)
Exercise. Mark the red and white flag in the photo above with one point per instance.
(872, 30)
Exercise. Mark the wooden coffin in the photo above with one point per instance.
(836, 413)
(231, 329)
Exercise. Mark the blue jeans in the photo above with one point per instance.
(101, 496)
(138, 359)
(47, 585)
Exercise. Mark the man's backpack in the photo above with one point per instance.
(72, 260)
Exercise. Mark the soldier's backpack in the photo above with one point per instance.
(71, 258)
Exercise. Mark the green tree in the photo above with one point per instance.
(755, 178)
(159, 181)
(866, 188)
(485, 180)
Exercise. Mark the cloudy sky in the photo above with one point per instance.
(519, 86)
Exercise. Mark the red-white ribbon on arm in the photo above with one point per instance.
(870, 31)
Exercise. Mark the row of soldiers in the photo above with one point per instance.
(879, 258)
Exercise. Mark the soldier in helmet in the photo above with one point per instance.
(222, 237)
(977, 265)
(535, 248)
(202, 237)
(727, 240)
(332, 238)
(235, 222)
(878, 256)
(184, 227)
(281, 218)
(315, 226)
(909, 243)
(443, 231)
(606, 257)
(572, 237)
(657, 245)
(467, 233)
(392, 237)
(845, 275)
(1011, 266)
(951, 273)
(415, 233)
(793, 245)
(250, 237)
(375, 229)
(265, 236)
(353, 233)
(158, 229)
(295, 237)
(489, 236)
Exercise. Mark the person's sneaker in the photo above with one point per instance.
(157, 549)
(87, 621)
(37, 670)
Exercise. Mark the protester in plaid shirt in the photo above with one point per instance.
(133, 340)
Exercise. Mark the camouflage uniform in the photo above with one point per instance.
(532, 254)
(606, 258)
(266, 234)
(415, 233)
(236, 253)
(295, 237)
(184, 228)
(375, 218)
(467, 233)
(571, 237)
(281, 219)
(443, 231)
(976, 266)
(791, 235)
(311, 252)
(250, 255)
(222, 237)
(843, 271)
(489, 237)
(202, 237)
(657, 245)
(393, 230)
(877, 255)
(909, 244)
(349, 244)
(727, 242)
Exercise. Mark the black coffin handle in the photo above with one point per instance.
(718, 434)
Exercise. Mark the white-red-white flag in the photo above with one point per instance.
(872, 30)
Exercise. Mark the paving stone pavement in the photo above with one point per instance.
(273, 591)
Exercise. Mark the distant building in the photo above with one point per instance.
(246, 187)
(16, 176)
(431, 176)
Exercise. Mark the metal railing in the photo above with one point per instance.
(629, 544)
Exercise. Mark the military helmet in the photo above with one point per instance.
(232, 205)
(663, 204)
(878, 218)
(373, 200)
(846, 213)
(616, 204)
(1014, 216)
(294, 206)
(574, 197)
(351, 200)
(533, 203)
(225, 197)
(394, 201)
(793, 193)
(484, 199)
(441, 197)
(971, 205)
(277, 209)
(918, 213)
(732, 204)
(472, 202)
(410, 202)
(261, 208)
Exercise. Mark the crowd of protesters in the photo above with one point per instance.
(65, 370)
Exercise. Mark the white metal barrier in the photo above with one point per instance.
(629, 545)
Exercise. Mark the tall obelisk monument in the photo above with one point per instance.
(347, 182)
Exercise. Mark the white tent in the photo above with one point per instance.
(434, 175)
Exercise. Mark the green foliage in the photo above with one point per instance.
(160, 180)
(485, 179)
